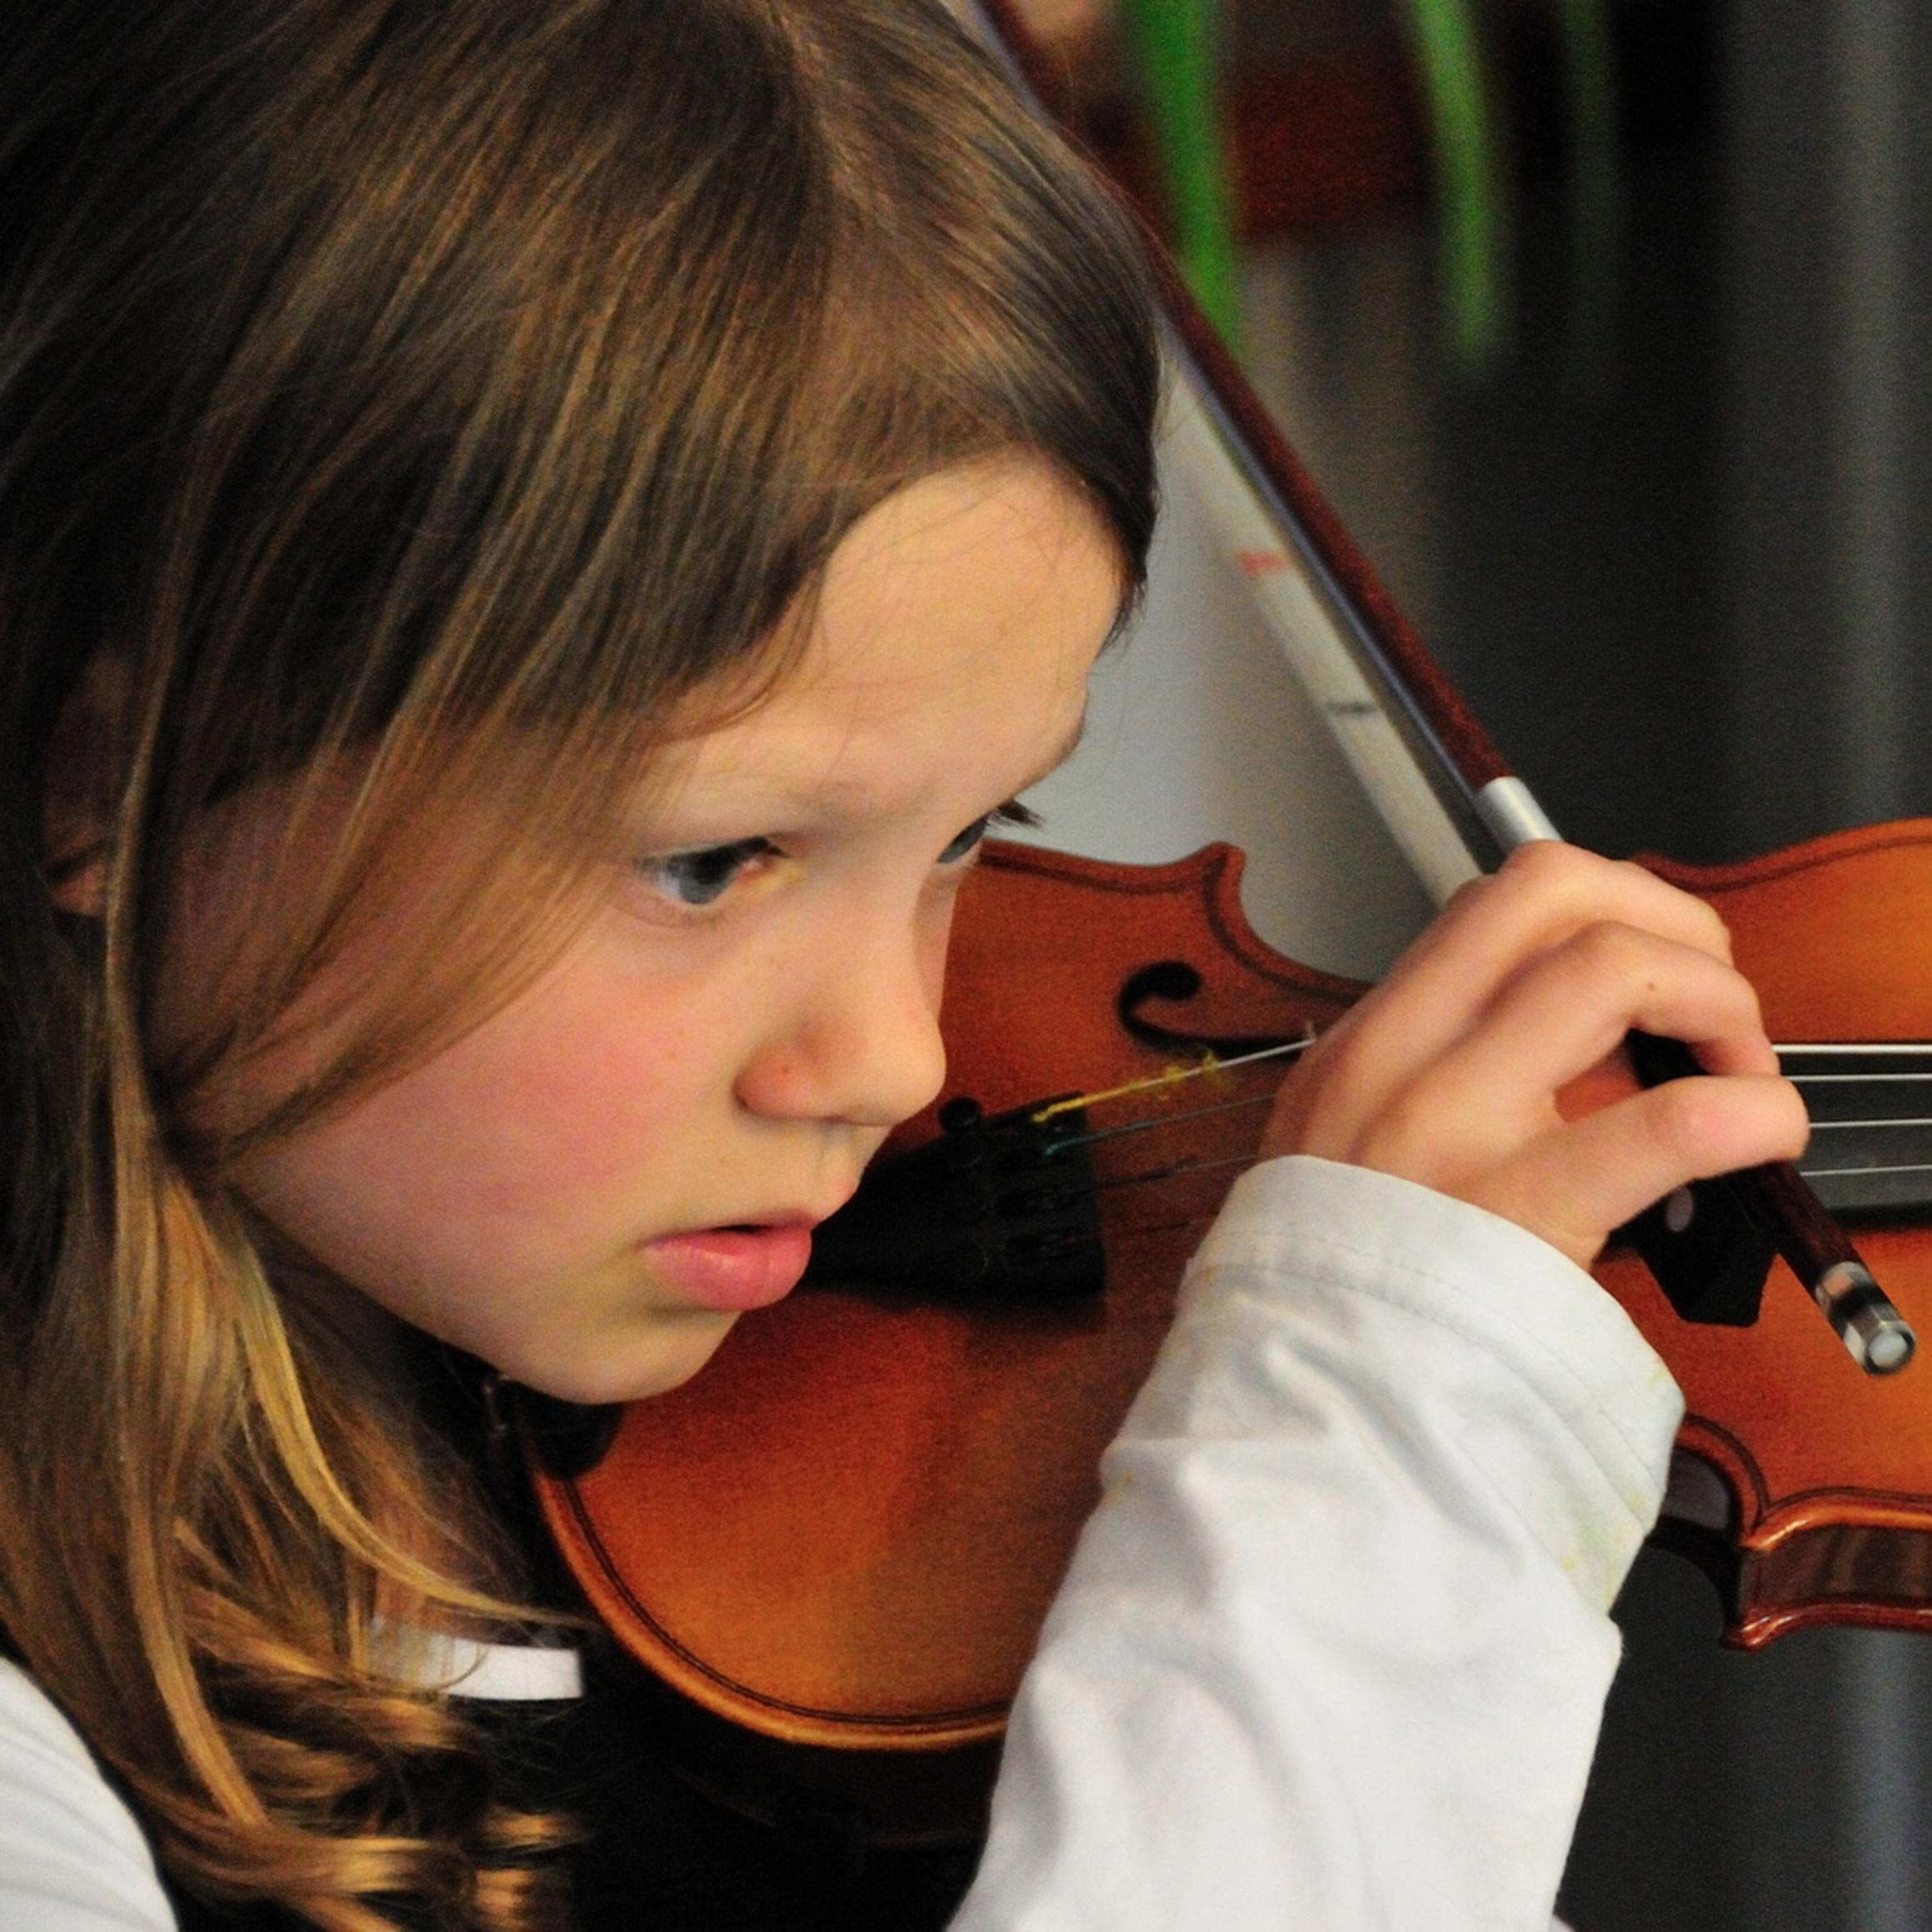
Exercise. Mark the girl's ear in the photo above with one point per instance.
(84, 768)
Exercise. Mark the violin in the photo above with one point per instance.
(834, 1549)
(845, 1532)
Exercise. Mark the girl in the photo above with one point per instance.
(536, 536)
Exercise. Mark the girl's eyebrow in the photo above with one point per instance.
(1066, 749)
(842, 791)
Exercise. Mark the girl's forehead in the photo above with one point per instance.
(954, 629)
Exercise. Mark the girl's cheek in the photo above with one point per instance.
(511, 1142)
(567, 1100)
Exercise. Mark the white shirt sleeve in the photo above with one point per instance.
(72, 1858)
(1331, 1655)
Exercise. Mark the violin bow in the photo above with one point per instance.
(1449, 800)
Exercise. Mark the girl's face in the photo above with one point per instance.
(589, 1188)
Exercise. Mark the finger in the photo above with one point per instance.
(1561, 1015)
(1497, 1087)
(1545, 894)
(1577, 1184)
(1569, 1010)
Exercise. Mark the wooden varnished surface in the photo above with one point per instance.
(846, 1531)
(1830, 1469)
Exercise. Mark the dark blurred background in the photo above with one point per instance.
(1636, 426)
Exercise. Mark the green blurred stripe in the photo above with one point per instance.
(1173, 44)
(1472, 190)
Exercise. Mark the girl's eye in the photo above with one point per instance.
(1011, 813)
(700, 878)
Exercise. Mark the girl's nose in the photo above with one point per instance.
(861, 1042)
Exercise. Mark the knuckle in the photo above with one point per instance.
(1547, 865)
(1703, 924)
(1716, 933)
(1748, 1007)
(1400, 1130)
(1616, 961)
(1416, 1134)
(1692, 1120)
(1472, 892)
(1570, 876)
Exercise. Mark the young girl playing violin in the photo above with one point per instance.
(535, 538)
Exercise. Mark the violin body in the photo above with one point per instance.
(845, 1533)
(1821, 1511)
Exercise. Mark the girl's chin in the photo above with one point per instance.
(627, 1367)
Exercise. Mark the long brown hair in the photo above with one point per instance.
(436, 391)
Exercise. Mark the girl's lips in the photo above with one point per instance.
(733, 1269)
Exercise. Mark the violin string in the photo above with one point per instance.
(1187, 1168)
(1213, 1064)
(1188, 1164)
(1192, 1165)
(1180, 1170)
(1803, 1080)
(1148, 1122)
(1877, 1049)
(1209, 1062)
(1812, 1173)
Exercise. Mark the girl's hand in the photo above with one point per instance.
(1452, 1072)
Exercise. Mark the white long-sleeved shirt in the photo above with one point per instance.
(1332, 1653)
